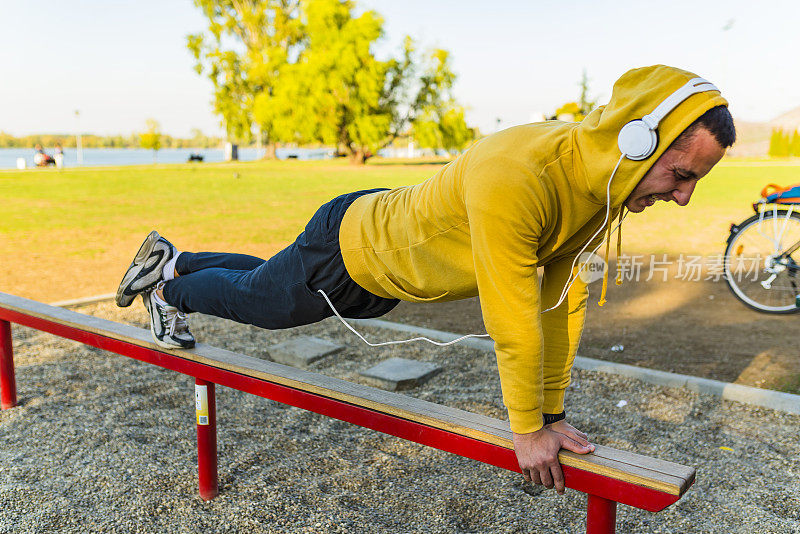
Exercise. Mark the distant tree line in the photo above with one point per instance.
(197, 140)
(306, 72)
(784, 144)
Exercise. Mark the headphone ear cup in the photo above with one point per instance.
(637, 141)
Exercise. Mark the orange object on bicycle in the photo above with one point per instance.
(773, 193)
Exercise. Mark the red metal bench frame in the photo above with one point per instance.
(603, 492)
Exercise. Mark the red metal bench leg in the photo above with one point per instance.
(206, 408)
(8, 384)
(601, 516)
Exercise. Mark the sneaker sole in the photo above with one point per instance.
(166, 345)
(123, 299)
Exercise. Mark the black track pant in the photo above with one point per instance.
(280, 292)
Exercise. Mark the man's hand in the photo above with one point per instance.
(537, 452)
(562, 427)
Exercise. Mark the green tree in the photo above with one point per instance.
(586, 106)
(794, 145)
(338, 92)
(439, 120)
(246, 44)
(198, 140)
(779, 144)
(774, 140)
(577, 111)
(334, 93)
(151, 138)
(443, 129)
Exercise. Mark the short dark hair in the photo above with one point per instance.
(719, 123)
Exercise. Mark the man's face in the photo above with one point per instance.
(675, 174)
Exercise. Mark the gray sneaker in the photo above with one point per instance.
(168, 326)
(146, 269)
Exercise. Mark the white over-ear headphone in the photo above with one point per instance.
(639, 138)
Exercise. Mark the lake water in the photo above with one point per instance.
(141, 156)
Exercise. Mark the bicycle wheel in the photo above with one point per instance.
(757, 269)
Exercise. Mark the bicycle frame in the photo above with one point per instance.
(776, 241)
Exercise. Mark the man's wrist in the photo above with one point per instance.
(550, 418)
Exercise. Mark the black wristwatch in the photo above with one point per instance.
(550, 418)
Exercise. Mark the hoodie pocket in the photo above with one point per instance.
(405, 295)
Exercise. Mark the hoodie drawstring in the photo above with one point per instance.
(602, 300)
(619, 245)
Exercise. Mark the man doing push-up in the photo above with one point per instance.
(533, 196)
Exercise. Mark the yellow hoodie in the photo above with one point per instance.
(527, 197)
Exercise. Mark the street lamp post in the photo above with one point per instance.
(725, 53)
(80, 147)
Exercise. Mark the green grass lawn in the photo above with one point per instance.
(239, 203)
(724, 196)
(71, 233)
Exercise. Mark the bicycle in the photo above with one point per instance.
(762, 256)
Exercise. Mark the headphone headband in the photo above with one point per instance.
(638, 139)
(693, 86)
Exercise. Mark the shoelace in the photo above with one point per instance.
(177, 322)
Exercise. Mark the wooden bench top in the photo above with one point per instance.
(667, 477)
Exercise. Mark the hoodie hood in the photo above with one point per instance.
(637, 93)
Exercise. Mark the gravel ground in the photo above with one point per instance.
(104, 443)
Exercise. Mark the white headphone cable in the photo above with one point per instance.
(398, 342)
(573, 277)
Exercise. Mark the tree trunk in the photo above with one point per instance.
(360, 156)
(269, 151)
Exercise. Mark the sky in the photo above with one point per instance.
(120, 62)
